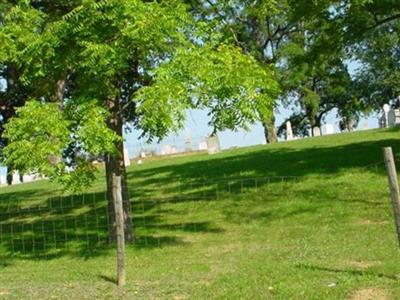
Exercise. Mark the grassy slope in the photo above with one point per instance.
(326, 234)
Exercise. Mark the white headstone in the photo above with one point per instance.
(127, 161)
(393, 117)
(142, 154)
(385, 116)
(316, 131)
(213, 145)
(29, 178)
(166, 150)
(15, 178)
(329, 129)
(139, 162)
(289, 131)
(386, 108)
(3, 180)
(188, 141)
(203, 146)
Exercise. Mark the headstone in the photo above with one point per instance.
(188, 141)
(393, 117)
(383, 121)
(166, 150)
(329, 129)
(3, 180)
(213, 145)
(203, 146)
(142, 154)
(16, 178)
(386, 108)
(289, 131)
(316, 131)
(365, 126)
(127, 161)
(29, 178)
(139, 162)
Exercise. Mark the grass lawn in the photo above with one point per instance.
(307, 219)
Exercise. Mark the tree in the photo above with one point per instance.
(366, 33)
(378, 73)
(26, 29)
(260, 28)
(117, 62)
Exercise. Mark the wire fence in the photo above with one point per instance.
(161, 216)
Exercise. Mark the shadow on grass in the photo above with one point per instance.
(270, 161)
(77, 225)
(108, 279)
(353, 272)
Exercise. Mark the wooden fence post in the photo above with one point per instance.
(394, 186)
(119, 220)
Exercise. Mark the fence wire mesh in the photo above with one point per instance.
(162, 213)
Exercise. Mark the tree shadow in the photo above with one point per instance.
(353, 272)
(76, 225)
(267, 162)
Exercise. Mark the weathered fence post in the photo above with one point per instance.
(394, 187)
(119, 219)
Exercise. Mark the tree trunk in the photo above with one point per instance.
(9, 176)
(115, 167)
(270, 130)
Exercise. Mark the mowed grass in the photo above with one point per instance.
(307, 219)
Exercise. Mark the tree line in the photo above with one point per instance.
(74, 73)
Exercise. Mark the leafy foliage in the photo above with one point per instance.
(110, 62)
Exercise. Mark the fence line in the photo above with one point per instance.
(81, 221)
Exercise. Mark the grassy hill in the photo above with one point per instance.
(307, 219)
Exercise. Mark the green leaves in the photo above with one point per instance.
(231, 85)
(37, 138)
(114, 61)
(88, 127)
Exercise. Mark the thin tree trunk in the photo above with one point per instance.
(270, 130)
(9, 176)
(115, 167)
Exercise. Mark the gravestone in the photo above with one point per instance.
(289, 131)
(188, 141)
(3, 180)
(365, 126)
(213, 145)
(29, 178)
(203, 146)
(127, 161)
(174, 150)
(383, 120)
(166, 150)
(316, 131)
(16, 178)
(329, 129)
(393, 117)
